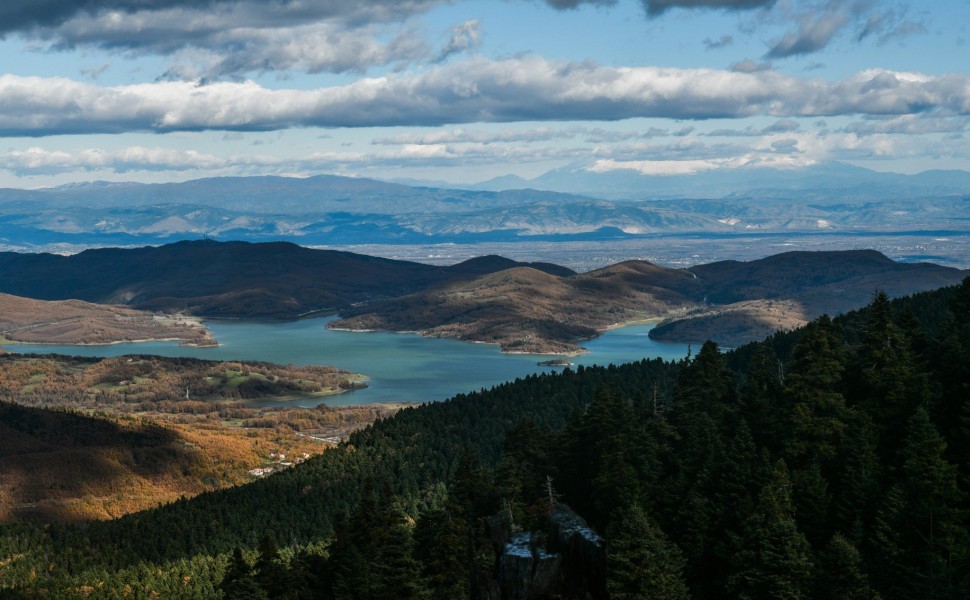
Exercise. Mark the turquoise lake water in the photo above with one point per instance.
(402, 367)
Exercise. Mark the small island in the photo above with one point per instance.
(555, 362)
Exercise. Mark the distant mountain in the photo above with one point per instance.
(827, 180)
(332, 210)
(231, 279)
(504, 182)
(733, 302)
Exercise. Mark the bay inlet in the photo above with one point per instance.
(402, 367)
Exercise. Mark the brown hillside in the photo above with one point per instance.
(59, 466)
(525, 310)
(732, 302)
(77, 322)
(149, 442)
(735, 324)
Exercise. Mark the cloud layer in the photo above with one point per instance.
(232, 39)
(477, 90)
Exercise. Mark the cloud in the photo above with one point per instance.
(887, 25)
(464, 37)
(95, 72)
(26, 15)
(820, 22)
(525, 88)
(908, 125)
(571, 4)
(595, 135)
(656, 7)
(725, 40)
(780, 126)
(781, 149)
(466, 136)
(814, 32)
(749, 66)
(229, 38)
(207, 45)
(38, 161)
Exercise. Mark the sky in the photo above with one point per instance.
(463, 91)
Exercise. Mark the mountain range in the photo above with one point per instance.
(574, 203)
(821, 181)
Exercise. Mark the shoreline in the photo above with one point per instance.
(566, 353)
(184, 342)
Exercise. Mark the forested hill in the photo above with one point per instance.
(231, 279)
(831, 462)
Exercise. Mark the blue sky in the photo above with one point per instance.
(463, 91)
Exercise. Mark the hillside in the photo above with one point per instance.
(231, 279)
(525, 310)
(166, 428)
(731, 302)
(78, 322)
(67, 467)
(59, 466)
(750, 300)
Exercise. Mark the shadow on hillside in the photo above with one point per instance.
(50, 461)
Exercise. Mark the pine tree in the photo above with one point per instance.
(643, 563)
(441, 540)
(774, 558)
(840, 574)
(705, 384)
(921, 542)
(858, 480)
(813, 390)
(271, 572)
(761, 397)
(239, 582)
(398, 572)
(884, 380)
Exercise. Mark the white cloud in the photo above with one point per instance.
(477, 90)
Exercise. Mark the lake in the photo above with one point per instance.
(402, 367)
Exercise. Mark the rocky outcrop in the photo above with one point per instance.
(582, 549)
(568, 560)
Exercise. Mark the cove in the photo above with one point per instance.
(402, 367)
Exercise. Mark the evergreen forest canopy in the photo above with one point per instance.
(829, 462)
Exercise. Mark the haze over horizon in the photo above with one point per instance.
(463, 91)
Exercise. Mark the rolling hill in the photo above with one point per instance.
(732, 302)
(78, 322)
(231, 279)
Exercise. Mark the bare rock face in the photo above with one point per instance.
(527, 571)
(566, 561)
(583, 552)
